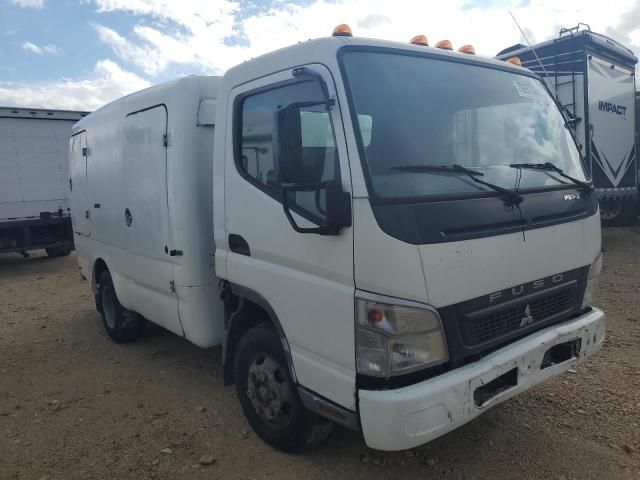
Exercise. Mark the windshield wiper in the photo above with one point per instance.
(550, 167)
(513, 198)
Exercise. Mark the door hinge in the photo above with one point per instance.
(172, 286)
(165, 140)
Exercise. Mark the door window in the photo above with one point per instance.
(256, 157)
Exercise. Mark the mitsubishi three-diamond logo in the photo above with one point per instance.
(528, 320)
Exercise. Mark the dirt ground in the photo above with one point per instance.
(74, 405)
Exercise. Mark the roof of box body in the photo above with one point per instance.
(162, 93)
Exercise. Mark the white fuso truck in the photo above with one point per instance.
(386, 236)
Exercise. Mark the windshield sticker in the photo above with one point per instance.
(526, 89)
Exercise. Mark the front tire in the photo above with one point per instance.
(269, 398)
(121, 324)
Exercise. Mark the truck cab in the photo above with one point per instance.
(403, 237)
(435, 286)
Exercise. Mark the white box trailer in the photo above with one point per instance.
(34, 179)
(353, 239)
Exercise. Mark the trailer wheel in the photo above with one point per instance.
(618, 213)
(57, 252)
(121, 324)
(269, 398)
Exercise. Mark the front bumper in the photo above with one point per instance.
(407, 417)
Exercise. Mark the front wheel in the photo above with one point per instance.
(269, 398)
(121, 324)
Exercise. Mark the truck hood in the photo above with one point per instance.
(458, 271)
(444, 274)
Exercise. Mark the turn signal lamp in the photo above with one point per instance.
(514, 61)
(420, 40)
(444, 45)
(375, 316)
(467, 49)
(342, 30)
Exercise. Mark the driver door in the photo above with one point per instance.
(307, 278)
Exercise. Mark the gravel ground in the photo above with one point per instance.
(74, 405)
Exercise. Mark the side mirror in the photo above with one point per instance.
(338, 207)
(288, 144)
(299, 174)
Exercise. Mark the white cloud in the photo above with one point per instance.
(43, 50)
(107, 82)
(189, 32)
(193, 32)
(28, 3)
(196, 33)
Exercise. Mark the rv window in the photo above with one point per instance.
(319, 159)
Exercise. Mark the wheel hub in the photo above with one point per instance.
(269, 391)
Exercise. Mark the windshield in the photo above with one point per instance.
(437, 112)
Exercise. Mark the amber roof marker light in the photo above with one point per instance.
(419, 40)
(514, 61)
(444, 45)
(342, 30)
(467, 49)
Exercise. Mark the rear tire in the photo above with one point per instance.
(57, 252)
(269, 398)
(121, 324)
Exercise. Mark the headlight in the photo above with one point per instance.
(591, 290)
(394, 339)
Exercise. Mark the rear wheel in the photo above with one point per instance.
(121, 324)
(57, 252)
(269, 398)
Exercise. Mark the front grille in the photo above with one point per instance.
(478, 328)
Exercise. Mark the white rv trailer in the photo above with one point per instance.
(593, 78)
(34, 180)
(342, 216)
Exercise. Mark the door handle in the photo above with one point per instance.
(239, 245)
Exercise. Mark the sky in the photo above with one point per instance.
(81, 54)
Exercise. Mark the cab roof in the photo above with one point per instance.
(325, 50)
